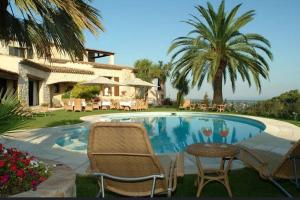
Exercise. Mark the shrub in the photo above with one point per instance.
(167, 101)
(85, 92)
(20, 172)
(12, 113)
(285, 106)
(66, 95)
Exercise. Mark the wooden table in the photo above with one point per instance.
(223, 151)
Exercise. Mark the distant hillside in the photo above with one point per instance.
(286, 106)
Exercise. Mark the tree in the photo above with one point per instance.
(143, 68)
(161, 71)
(216, 48)
(182, 85)
(46, 23)
(206, 99)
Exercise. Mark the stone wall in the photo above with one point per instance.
(23, 84)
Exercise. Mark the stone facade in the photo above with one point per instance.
(38, 78)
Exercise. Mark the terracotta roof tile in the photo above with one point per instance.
(51, 68)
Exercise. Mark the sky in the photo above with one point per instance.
(136, 29)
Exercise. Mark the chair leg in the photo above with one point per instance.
(296, 181)
(281, 188)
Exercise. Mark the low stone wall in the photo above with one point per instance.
(61, 183)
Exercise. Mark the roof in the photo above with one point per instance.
(100, 81)
(139, 82)
(95, 65)
(100, 51)
(51, 68)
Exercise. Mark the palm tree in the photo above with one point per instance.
(182, 85)
(161, 71)
(216, 47)
(42, 24)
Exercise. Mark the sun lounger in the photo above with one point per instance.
(272, 166)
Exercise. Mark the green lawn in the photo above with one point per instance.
(61, 117)
(244, 183)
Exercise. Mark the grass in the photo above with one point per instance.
(61, 117)
(244, 183)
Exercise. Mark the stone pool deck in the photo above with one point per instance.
(278, 138)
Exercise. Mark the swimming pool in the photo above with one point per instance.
(173, 132)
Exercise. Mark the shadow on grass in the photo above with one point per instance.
(244, 183)
(63, 122)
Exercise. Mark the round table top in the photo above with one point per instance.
(212, 150)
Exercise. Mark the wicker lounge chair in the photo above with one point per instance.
(122, 159)
(272, 166)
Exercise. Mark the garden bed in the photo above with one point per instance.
(61, 183)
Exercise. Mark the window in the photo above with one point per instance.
(17, 51)
(29, 53)
(117, 88)
(56, 88)
(79, 58)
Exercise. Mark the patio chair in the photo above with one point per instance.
(68, 105)
(122, 159)
(221, 108)
(186, 104)
(135, 105)
(88, 106)
(203, 107)
(273, 166)
(213, 107)
(77, 105)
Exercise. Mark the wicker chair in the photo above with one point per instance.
(122, 159)
(186, 104)
(68, 105)
(77, 105)
(273, 166)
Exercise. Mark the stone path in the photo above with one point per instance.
(278, 138)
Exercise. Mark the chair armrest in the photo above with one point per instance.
(127, 179)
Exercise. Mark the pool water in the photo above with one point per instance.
(171, 133)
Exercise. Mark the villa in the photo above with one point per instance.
(39, 81)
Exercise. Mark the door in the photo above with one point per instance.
(30, 92)
(117, 88)
(3, 86)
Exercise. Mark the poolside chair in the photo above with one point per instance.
(221, 107)
(186, 104)
(77, 105)
(203, 107)
(68, 105)
(213, 107)
(122, 159)
(88, 106)
(272, 166)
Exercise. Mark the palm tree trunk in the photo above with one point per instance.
(218, 84)
(3, 6)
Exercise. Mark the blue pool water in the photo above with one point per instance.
(170, 133)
